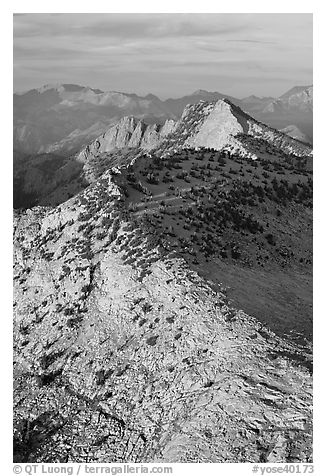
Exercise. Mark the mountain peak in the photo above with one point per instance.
(297, 99)
(296, 90)
(252, 96)
(67, 88)
(200, 92)
(128, 132)
(204, 108)
(60, 87)
(293, 131)
(217, 124)
(152, 97)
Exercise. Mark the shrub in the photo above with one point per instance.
(100, 377)
(152, 340)
(87, 288)
(270, 239)
(147, 307)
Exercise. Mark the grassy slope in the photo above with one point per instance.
(245, 224)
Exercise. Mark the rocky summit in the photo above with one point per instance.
(162, 312)
(129, 132)
(216, 125)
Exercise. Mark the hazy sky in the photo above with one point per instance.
(165, 54)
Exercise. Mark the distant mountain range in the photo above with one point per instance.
(63, 118)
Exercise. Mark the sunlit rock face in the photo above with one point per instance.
(214, 125)
(139, 358)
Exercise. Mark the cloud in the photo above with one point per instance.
(144, 52)
(125, 25)
(259, 42)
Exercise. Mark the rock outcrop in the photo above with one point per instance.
(122, 353)
(217, 125)
(129, 132)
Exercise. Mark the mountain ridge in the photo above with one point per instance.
(296, 133)
(45, 118)
(204, 124)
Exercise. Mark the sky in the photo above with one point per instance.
(169, 55)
